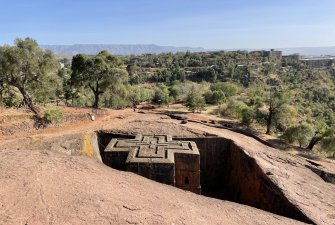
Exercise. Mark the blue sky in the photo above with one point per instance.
(213, 24)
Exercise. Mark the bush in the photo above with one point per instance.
(137, 94)
(223, 110)
(118, 102)
(174, 92)
(194, 101)
(261, 116)
(12, 100)
(215, 97)
(301, 133)
(246, 116)
(257, 101)
(162, 95)
(234, 108)
(52, 114)
(328, 143)
(228, 89)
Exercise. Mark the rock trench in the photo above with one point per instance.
(227, 172)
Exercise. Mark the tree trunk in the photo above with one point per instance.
(1, 95)
(313, 142)
(269, 119)
(28, 101)
(269, 122)
(96, 100)
(97, 93)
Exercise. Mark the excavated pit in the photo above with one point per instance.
(228, 173)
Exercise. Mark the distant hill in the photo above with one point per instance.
(115, 49)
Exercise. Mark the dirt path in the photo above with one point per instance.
(110, 118)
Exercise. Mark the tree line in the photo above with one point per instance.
(287, 98)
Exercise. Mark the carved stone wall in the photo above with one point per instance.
(159, 158)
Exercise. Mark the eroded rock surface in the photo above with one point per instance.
(43, 187)
(304, 189)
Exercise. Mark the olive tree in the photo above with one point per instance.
(25, 65)
(98, 73)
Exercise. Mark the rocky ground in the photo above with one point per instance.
(45, 179)
(43, 187)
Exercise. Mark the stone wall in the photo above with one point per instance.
(246, 183)
(187, 172)
(163, 173)
(228, 173)
(156, 157)
(212, 155)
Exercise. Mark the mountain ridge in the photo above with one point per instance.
(138, 49)
(118, 49)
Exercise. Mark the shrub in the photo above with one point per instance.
(261, 116)
(234, 108)
(215, 97)
(246, 116)
(328, 143)
(301, 133)
(174, 92)
(221, 110)
(12, 100)
(118, 102)
(194, 101)
(162, 95)
(52, 114)
(228, 89)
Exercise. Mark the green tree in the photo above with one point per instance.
(275, 101)
(174, 92)
(98, 73)
(247, 115)
(194, 101)
(49, 91)
(328, 142)
(321, 132)
(162, 95)
(301, 133)
(241, 110)
(256, 94)
(215, 97)
(68, 91)
(228, 89)
(137, 95)
(25, 65)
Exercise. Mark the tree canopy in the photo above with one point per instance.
(98, 73)
(25, 65)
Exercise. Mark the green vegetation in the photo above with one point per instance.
(162, 95)
(194, 101)
(97, 73)
(27, 68)
(287, 99)
(301, 133)
(52, 114)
